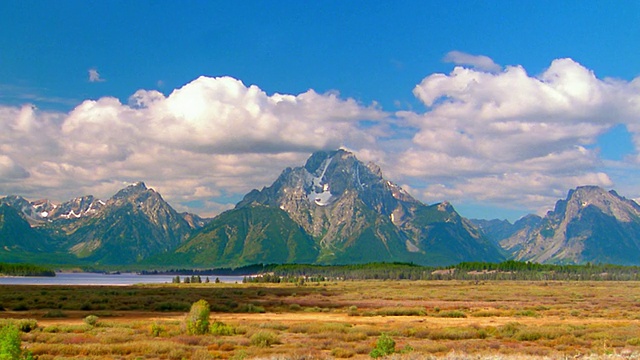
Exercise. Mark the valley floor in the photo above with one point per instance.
(426, 319)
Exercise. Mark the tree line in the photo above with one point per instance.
(507, 270)
(7, 269)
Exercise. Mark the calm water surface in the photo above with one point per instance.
(105, 279)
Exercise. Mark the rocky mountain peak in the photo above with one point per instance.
(607, 202)
(350, 213)
(329, 178)
(136, 191)
(590, 225)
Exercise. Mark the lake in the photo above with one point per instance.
(105, 279)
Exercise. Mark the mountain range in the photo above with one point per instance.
(590, 225)
(333, 210)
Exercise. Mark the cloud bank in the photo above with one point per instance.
(489, 134)
(512, 138)
(213, 138)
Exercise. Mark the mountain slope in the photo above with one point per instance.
(354, 215)
(250, 235)
(590, 225)
(448, 238)
(134, 224)
(16, 235)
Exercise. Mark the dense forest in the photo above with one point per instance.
(508, 270)
(24, 270)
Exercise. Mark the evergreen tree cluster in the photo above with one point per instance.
(24, 270)
(508, 270)
(193, 279)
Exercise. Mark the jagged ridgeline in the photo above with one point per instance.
(591, 225)
(134, 224)
(334, 210)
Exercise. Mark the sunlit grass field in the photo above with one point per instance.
(426, 319)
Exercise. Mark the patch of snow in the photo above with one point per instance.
(411, 247)
(102, 202)
(323, 198)
(70, 214)
(320, 193)
(44, 214)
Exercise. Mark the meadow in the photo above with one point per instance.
(322, 320)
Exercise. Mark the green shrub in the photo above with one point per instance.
(509, 329)
(156, 330)
(384, 346)
(54, 314)
(634, 341)
(451, 314)
(198, 318)
(528, 313)
(21, 307)
(249, 308)
(221, 329)
(264, 339)
(24, 325)
(400, 312)
(487, 313)
(342, 353)
(91, 320)
(10, 344)
(528, 335)
(171, 306)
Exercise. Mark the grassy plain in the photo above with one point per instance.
(427, 319)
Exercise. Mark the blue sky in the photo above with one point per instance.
(360, 75)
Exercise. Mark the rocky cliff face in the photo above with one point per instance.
(590, 225)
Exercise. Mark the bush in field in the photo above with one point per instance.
(156, 330)
(54, 314)
(10, 344)
(221, 329)
(91, 320)
(24, 325)
(451, 314)
(198, 318)
(264, 339)
(384, 346)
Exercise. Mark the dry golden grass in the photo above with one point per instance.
(427, 319)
